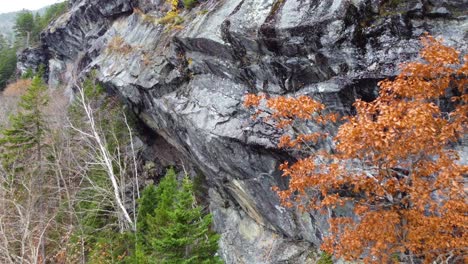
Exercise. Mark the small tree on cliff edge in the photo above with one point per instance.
(393, 161)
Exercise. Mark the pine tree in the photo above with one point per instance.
(36, 32)
(25, 28)
(22, 154)
(24, 140)
(146, 208)
(7, 64)
(177, 230)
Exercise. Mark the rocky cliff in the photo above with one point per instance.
(186, 82)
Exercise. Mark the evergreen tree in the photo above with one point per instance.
(178, 232)
(25, 28)
(38, 26)
(28, 25)
(51, 13)
(146, 206)
(24, 140)
(22, 154)
(7, 64)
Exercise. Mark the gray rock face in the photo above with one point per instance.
(187, 85)
(32, 59)
(87, 20)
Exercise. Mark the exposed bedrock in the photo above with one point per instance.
(187, 83)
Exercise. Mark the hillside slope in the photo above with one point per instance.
(7, 21)
(186, 83)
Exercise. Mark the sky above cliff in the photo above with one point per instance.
(16, 5)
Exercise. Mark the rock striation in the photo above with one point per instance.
(186, 83)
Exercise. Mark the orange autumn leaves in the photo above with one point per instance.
(393, 162)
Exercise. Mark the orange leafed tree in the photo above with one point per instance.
(393, 162)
